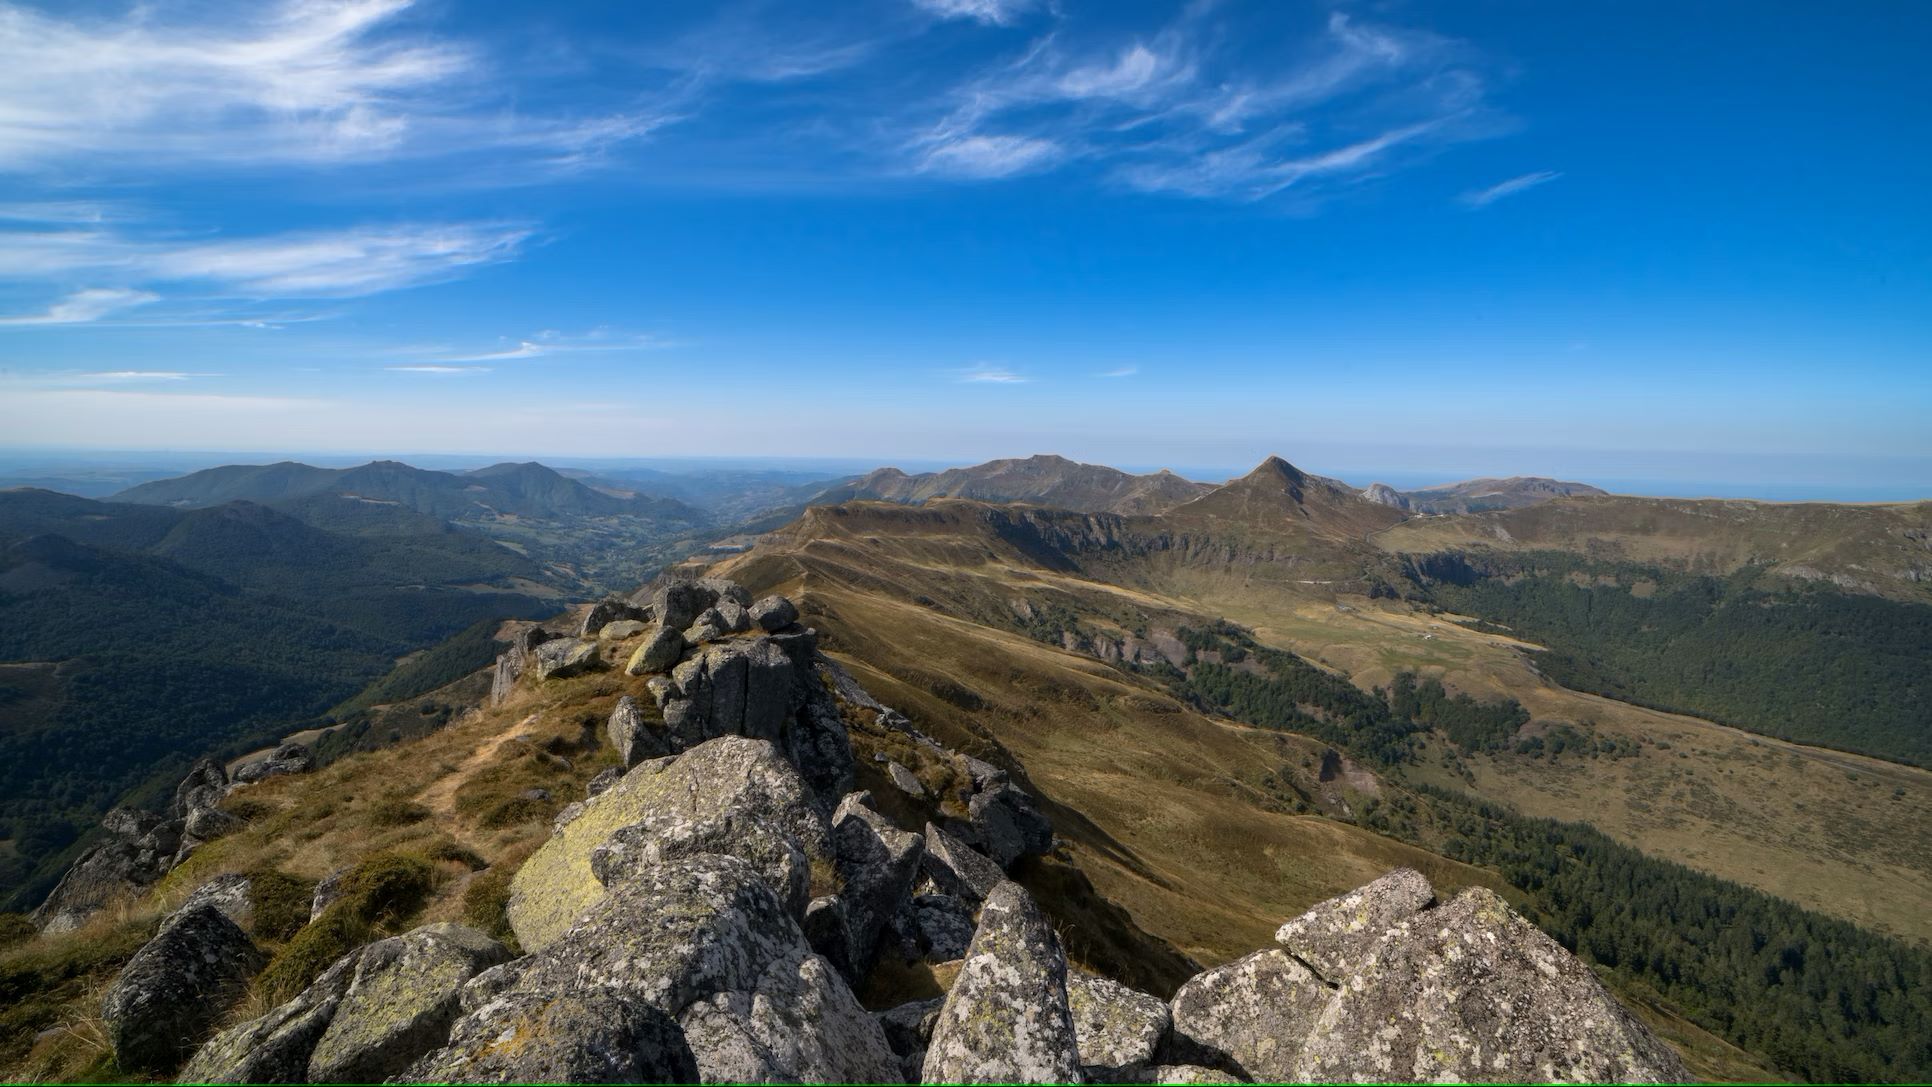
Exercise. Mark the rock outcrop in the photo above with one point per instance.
(679, 798)
(565, 657)
(634, 740)
(1117, 1030)
(1336, 937)
(1006, 1018)
(1250, 1016)
(140, 847)
(289, 758)
(605, 612)
(176, 987)
(702, 939)
(366, 1018)
(514, 661)
(1379, 985)
(591, 1036)
(1472, 991)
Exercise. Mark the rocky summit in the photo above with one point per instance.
(724, 906)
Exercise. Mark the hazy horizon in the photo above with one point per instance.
(1802, 481)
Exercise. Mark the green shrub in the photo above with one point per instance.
(394, 811)
(486, 903)
(446, 850)
(281, 903)
(382, 892)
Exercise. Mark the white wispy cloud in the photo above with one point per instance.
(307, 264)
(551, 342)
(981, 156)
(82, 307)
(139, 375)
(990, 375)
(447, 371)
(994, 12)
(1121, 371)
(1176, 111)
(292, 82)
(1482, 198)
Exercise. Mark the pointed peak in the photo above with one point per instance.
(1276, 468)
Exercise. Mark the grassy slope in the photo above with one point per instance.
(1167, 811)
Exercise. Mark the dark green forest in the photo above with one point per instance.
(170, 635)
(1808, 664)
(1291, 694)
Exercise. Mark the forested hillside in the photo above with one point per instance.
(1806, 664)
(169, 634)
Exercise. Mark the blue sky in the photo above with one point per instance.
(1624, 241)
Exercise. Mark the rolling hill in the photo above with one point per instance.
(1477, 495)
(1043, 480)
(137, 637)
(575, 535)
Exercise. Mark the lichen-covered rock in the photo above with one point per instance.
(513, 662)
(775, 852)
(1186, 1073)
(634, 739)
(1009, 824)
(877, 864)
(605, 612)
(659, 652)
(227, 893)
(709, 626)
(1250, 1016)
(704, 940)
(1006, 1019)
(364, 1019)
(1335, 937)
(773, 613)
(289, 758)
(727, 776)
(567, 1036)
(905, 780)
(733, 616)
(204, 787)
(177, 986)
(827, 932)
(1117, 1029)
(680, 602)
(564, 658)
(327, 891)
(400, 1001)
(115, 869)
(1471, 991)
(957, 868)
(622, 630)
(276, 1047)
(602, 782)
(934, 928)
(724, 589)
(907, 1029)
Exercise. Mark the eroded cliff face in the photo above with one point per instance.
(725, 907)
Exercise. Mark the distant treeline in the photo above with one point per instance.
(1814, 665)
(1281, 690)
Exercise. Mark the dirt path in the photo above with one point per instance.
(440, 796)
